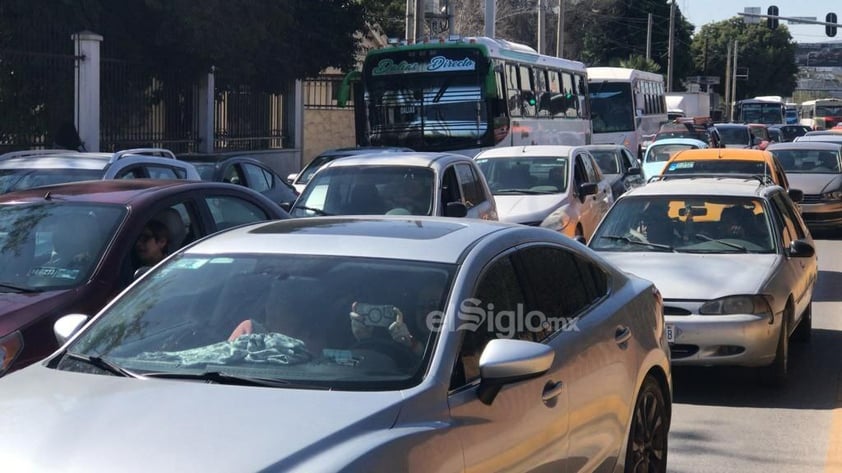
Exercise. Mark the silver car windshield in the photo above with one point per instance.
(526, 175)
(808, 161)
(697, 224)
(20, 179)
(331, 322)
(52, 245)
(368, 190)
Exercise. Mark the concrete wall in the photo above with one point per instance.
(326, 129)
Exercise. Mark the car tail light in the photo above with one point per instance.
(11, 346)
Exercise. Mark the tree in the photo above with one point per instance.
(768, 56)
(640, 63)
(261, 43)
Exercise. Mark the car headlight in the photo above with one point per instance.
(835, 195)
(558, 220)
(756, 304)
(10, 347)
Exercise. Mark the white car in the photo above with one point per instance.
(659, 152)
(557, 187)
(21, 170)
(733, 259)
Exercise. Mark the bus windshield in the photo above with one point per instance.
(430, 99)
(769, 113)
(828, 110)
(611, 105)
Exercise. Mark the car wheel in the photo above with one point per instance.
(646, 449)
(804, 331)
(775, 374)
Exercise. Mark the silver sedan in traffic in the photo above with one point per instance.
(356, 344)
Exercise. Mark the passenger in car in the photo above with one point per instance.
(151, 246)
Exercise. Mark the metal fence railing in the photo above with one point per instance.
(320, 92)
(36, 98)
(245, 120)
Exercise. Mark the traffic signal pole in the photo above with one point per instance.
(795, 20)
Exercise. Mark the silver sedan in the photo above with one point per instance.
(356, 344)
(733, 259)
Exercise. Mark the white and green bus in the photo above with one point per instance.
(628, 106)
(468, 94)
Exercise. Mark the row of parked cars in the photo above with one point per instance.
(383, 332)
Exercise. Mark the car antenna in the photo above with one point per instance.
(47, 196)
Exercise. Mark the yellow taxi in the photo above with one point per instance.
(727, 161)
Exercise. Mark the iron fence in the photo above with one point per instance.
(245, 120)
(321, 92)
(36, 98)
(138, 108)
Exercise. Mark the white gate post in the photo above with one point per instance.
(86, 101)
(206, 113)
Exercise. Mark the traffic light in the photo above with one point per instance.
(830, 30)
(772, 23)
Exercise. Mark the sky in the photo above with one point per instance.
(701, 12)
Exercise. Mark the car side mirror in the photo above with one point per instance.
(633, 171)
(286, 206)
(801, 249)
(505, 361)
(291, 177)
(67, 326)
(455, 209)
(797, 195)
(588, 188)
(141, 271)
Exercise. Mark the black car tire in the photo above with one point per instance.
(646, 448)
(775, 374)
(803, 333)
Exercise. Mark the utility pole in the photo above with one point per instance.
(559, 40)
(728, 84)
(734, 71)
(420, 23)
(541, 27)
(648, 36)
(490, 17)
(671, 46)
(410, 21)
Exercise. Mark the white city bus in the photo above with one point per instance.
(468, 94)
(627, 105)
(820, 114)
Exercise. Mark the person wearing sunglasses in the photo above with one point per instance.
(151, 245)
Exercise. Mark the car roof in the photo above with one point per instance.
(531, 150)
(817, 145)
(341, 152)
(434, 239)
(604, 146)
(834, 137)
(702, 186)
(115, 191)
(679, 141)
(399, 158)
(97, 161)
(723, 153)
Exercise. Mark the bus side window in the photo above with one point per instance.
(513, 91)
(527, 91)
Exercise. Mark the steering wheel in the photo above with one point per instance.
(400, 354)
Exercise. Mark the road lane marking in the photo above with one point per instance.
(833, 464)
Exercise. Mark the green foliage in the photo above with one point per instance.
(640, 63)
(389, 14)
(603, 32)
(264, 44)
(768, 55)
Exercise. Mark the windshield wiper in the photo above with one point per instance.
(16, 287)
(636, 242)
(702, 236)
(521, 191)
(103, 364)
(224, 378)
(312, 209)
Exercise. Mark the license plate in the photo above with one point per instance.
(670, 333)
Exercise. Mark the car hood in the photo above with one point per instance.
(698, 276)
(66, 421)
(18, 309)
(814, 183)
(527, 208)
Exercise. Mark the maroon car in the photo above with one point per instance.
(69, 248)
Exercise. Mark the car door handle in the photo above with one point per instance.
(551, 390)
(622, 334)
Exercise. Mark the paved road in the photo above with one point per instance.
(724, 421)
